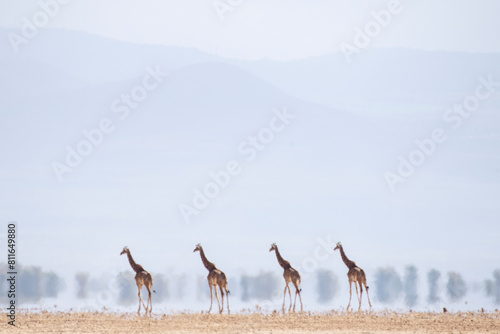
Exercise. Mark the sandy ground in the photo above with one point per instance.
(381, 322)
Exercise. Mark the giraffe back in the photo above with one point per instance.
(357, 274)
(217, 277)
(144, 277)
(291, 275)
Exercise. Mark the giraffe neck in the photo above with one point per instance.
(209, 265)
(136, 267)
(350, 264)
(284, 263)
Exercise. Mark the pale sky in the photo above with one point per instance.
(277, 29)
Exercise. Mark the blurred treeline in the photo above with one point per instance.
(387, 286)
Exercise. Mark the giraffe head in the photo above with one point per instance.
(273, 247)
(339, 244)
(124, 251)
(197, 248)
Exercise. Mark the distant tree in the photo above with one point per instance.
(492, 287)
(33, 284)
(160, 285)
(3, 282)
(52, 285)
(127, 288)
(327, 285)
(456, 287)
(433, 281)
(410, 286)
(82, 282)
(496, 275)
(30, 284)
(388, 284)
(489, 288)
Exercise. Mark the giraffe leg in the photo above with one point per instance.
(284, 297)
(300, 298)
(141, 301)
(227, 298)
(357, 292)
(139, 310)
(139, 294)
(350, 295)
(360, 295)
(297, 292)
(150, 302)
(368, 295)
(222, 296)
(295, 299)
(211, 298)
(290, 294)
(217, 296)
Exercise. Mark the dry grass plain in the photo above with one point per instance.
(374, 322)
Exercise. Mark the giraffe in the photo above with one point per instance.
(356, 275)
(215, 278)
(290, 275)
(142, 277)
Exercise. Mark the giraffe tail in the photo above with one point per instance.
(154, 291)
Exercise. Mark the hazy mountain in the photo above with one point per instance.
(385, 75)
(374, 76)
(98, 59)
